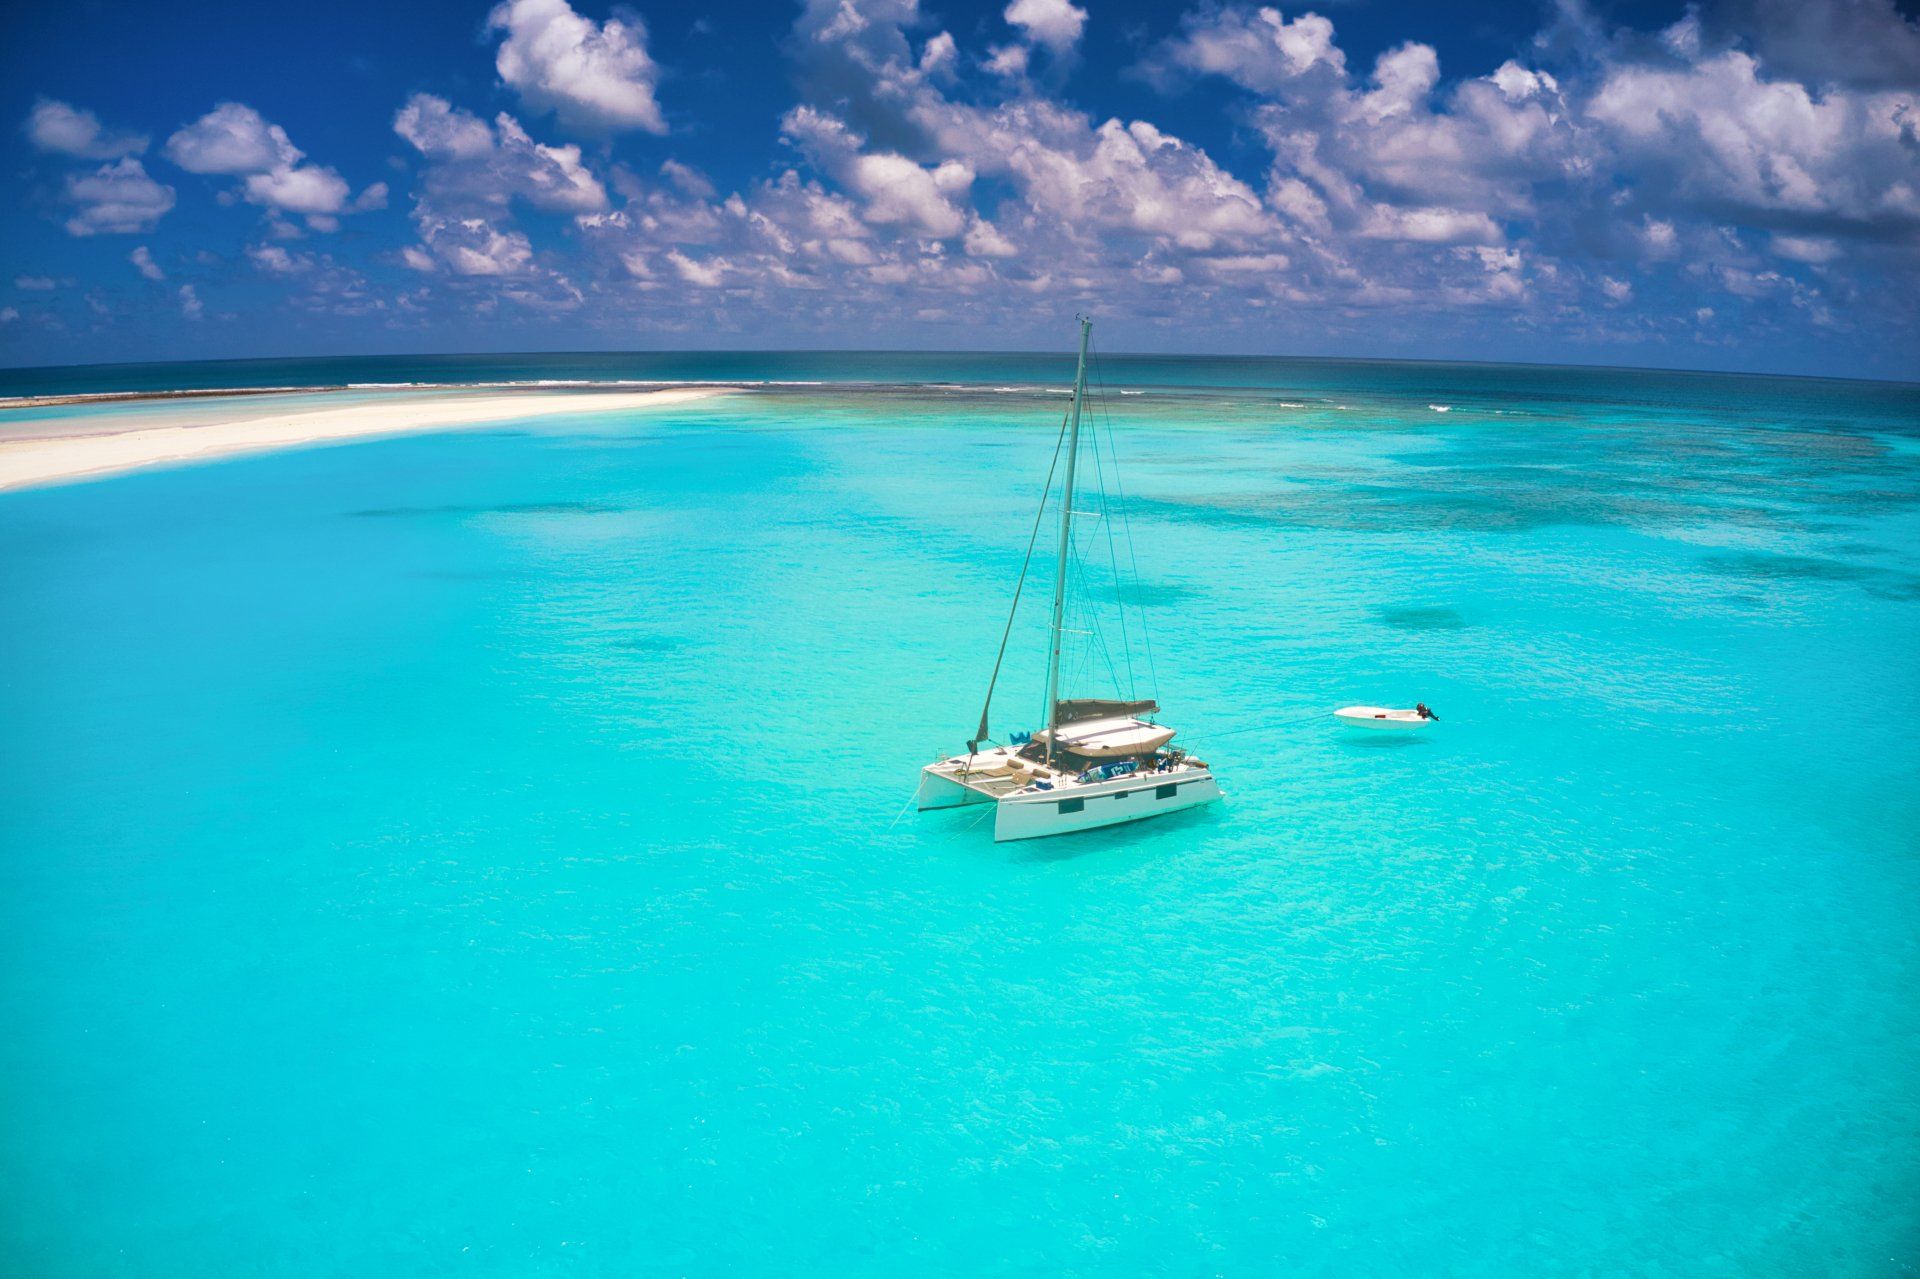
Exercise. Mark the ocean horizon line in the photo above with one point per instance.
(8, 372)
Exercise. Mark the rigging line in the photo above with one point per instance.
(1111, 461)
(1113, 554)
(903, 809)
(1254, 728)
(1133, 557)
(1094, 629)
(1059, 442)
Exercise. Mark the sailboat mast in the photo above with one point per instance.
(1066, 544)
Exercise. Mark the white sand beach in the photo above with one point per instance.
(39, 457)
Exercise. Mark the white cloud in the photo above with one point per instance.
(1812, 249)
(940, 56)
(116, 199)
(142, 259)
(597, 78)
(231, 139)
(1717, 133)
(1009, 61)
(482, 166)
(940, 184)
(1431, 226)
(190, 305)
(307, 190)
(1518, 84)
(36, 283)
(689, 180)
(985, 241)
(1403, 78)
(473, 246)
(899, 191)
(237, 141)
(706, 275)
(1658, 237)
(56, 126)
(438, 130)
(1054, 24)
(1256, 49)
(896, 190)
(316, 283)
(275, 260)
(1858, 44)
(8, 314)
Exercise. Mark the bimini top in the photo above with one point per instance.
(1072, 710)
(1118, 737)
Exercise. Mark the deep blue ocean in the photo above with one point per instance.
(482, 854)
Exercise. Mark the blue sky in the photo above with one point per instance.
(1721, 185)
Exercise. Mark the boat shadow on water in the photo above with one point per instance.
(1119, 839)
(1386, 742)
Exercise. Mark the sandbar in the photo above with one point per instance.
(36, 460)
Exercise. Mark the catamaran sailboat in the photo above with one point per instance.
(1098, 761)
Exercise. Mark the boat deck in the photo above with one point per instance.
(1063, 801)
(993, 775)
(999, 773)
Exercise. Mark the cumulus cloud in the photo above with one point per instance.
(308, 190)
(316, 283)
(1256, 49)
(190, 305)
(985, 241)
(475, 163)
(436, 129)
(1858, 44)
(1430, 226)
(235, 140)
(1054, 24)
(274, 259)
(116, 199)
(1621, 147)
(709, 274)
(231, 139)
(475, 246)
(1716, 134)
(688, 180)
(142, 259)
(57, 127)
(1599, 181)
(1812, 249)
(896, 191)
(594, 77)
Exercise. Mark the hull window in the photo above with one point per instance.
(1165, 792)
(1072, 805)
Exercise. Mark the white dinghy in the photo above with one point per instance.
(1098, 761)
(1385, 719)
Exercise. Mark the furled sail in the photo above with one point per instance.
(1074, 710)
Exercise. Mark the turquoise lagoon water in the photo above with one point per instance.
(481, 854)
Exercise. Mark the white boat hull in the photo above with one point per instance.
(1381, 719)
(1031, 815)
(943, 792)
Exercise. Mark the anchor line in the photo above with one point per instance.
(980, 735)
(1301, 718)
